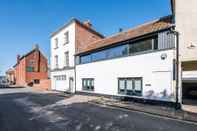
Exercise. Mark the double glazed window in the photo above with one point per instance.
(60, 77)
(142, 46)
(66, 37)
(56, 43)
(31, 62)
(98, 55)
(66, 59)
(129, 48)
(130, 86)
(88, 84)
(36, 81)
(85, 59)
(56, 61)
(117, 51)
(29, 69)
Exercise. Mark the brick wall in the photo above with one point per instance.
(20, 73)
(39, 63)
(84, 37)
(44, 84)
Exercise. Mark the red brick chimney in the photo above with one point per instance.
(18, 58)
(87, 24)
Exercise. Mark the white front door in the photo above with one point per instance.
(71, 84)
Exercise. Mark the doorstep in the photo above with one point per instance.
(164, 111)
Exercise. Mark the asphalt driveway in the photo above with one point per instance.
(27, 110)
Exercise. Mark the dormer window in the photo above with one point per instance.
(66, 37)
(56, 43)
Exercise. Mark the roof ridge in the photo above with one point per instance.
(156, 25)
(73, 19)
(119, 33)
(133, 28)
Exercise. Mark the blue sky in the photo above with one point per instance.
(26, 22)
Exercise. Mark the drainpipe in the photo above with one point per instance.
(177, 106)
(177, 70)
(75, 74)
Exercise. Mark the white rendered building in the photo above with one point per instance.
(138, 63)
(63, 48)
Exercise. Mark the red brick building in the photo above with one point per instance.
(31, 68)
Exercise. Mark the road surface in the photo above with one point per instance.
(27, 110)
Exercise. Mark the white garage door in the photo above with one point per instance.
(61, 83)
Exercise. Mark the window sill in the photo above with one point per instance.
(130, 95)
(66, 43)
(65, 67)
(87, 90)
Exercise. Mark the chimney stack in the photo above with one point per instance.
(18, 58)
(36, 47)
(120, 29)
(87, 24)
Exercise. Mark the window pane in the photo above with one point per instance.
(92, 82)
(84, 83)
(155, 43)
(56, 43)
(66, 37)
(88, 83)
(85, 59)
(121, 84)
(117, 51)
(98, 55)
(129, 85)
(92, 85)
(138, 85)
(141, 46)
(30, 69)
(66, 58)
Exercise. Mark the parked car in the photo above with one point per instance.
(3, 82)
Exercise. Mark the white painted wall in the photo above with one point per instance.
(186, 19)
(62, 48)
(64, 84)
(157, 72)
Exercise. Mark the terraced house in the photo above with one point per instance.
(64, 44)
(146, 62)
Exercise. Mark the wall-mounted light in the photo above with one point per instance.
(164, 56)
(192, 46)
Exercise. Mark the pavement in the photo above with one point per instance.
(26, 109)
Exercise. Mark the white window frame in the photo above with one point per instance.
(66, 58)
(56, 43)
(56, 61)
(66, 37)
(127, 91)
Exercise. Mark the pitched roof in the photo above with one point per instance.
(147, 28)
(23, 56)
(78, 22)
(27, 54)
